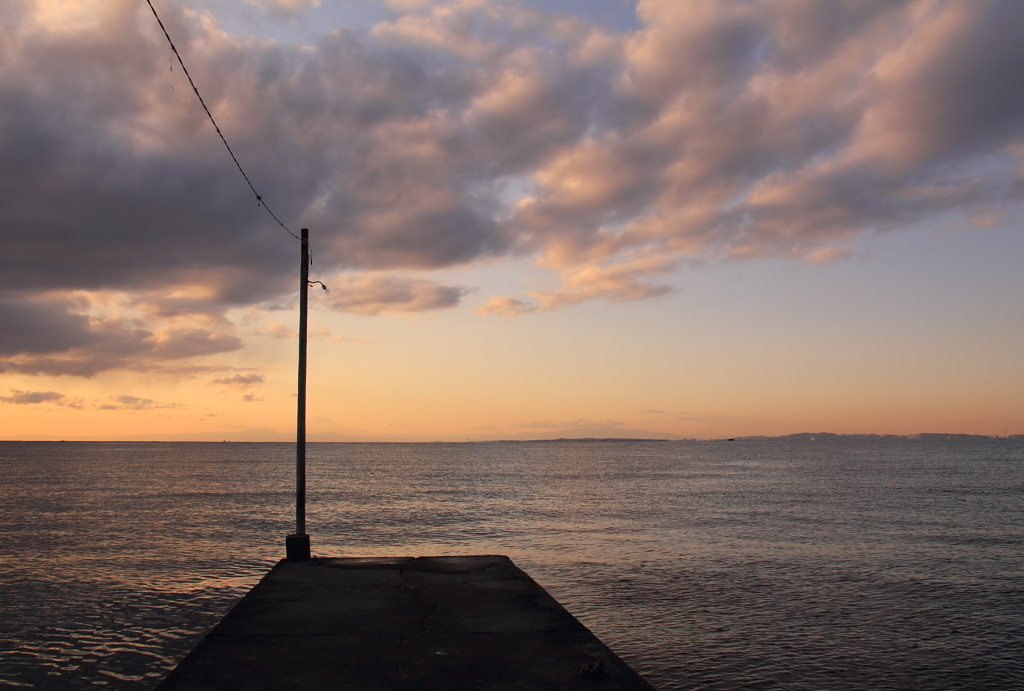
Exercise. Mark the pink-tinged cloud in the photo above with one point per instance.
(719, 129)
(506, 306)
(618, 282)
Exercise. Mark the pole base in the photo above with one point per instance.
(297, 547)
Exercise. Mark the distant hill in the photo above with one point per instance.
(814, 436)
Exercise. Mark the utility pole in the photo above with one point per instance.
(297, 545)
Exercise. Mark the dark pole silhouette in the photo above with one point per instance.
(297, 545)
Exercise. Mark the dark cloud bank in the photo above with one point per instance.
(721, 129)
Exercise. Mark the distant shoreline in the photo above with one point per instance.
(812, 436)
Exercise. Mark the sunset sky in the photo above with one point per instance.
(537, 218)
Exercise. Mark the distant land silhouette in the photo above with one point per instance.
(801, 436)
(813, 436)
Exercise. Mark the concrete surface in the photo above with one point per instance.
(396, 624)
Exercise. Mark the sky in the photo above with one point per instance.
(536, 219)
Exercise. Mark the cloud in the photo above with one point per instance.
(618, 282)
(462, 132)
(764, 129)
(317, 331)
(281, 330)
(827, 255)
(350, 340)
(409, 5)
(506, 306)
(242, 380)
(30, 397)
(989, 218)
(370, 294)
(284, 7)
(577, 424)
(126, 402)
(57, 337)
(36, 326)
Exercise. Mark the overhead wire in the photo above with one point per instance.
(259, 199)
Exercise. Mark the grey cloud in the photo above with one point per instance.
(953, 98)
(177, 344)
(39, 326)
(44, 337)
(373, 294)
(284, 9)
(241, 380)
(126, 402)
(133, 400)
(148, 199)
(29, 397)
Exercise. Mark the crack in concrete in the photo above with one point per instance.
(398, 666)
(421, 625)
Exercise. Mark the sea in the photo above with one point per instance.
(777, 564)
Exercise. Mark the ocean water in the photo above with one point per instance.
(869, 564)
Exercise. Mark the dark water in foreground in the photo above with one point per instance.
(749, 565)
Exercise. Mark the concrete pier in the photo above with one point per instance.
(397, 624)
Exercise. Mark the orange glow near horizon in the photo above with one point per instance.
(706, 364)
